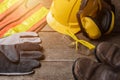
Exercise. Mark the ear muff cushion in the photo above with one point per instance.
(112, 23)
(91, 28)
(102, 24)
(105, 20)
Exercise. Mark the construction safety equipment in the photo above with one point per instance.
(87, 69)
(105, 67)
(108, 53)
(63, 19)
(94, 17)
(22, 56)
(19, 16)
(62, 16)
(97, 22)
(75, 15)
(20, 38)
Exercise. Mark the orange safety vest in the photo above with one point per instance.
(16, 16)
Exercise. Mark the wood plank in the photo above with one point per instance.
(48, 71)
(55, 71)
(47, 29)
(56, 47)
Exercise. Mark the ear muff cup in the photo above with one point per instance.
(90, 28)
(104, 20)
(101, 24)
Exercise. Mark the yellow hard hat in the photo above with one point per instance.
(62, 16)
(71, 16)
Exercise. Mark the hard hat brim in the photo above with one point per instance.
(54, 24)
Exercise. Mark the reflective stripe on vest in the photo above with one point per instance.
(29, 22)
(19, 18)
(5, 4)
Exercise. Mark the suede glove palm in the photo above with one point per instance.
(20, 54)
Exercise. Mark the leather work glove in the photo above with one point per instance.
(20, 38)
(20, 54)
(108, 53)
(87, 69)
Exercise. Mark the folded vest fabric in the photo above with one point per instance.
(17, 16)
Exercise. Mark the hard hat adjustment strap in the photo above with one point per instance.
(83, 42)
